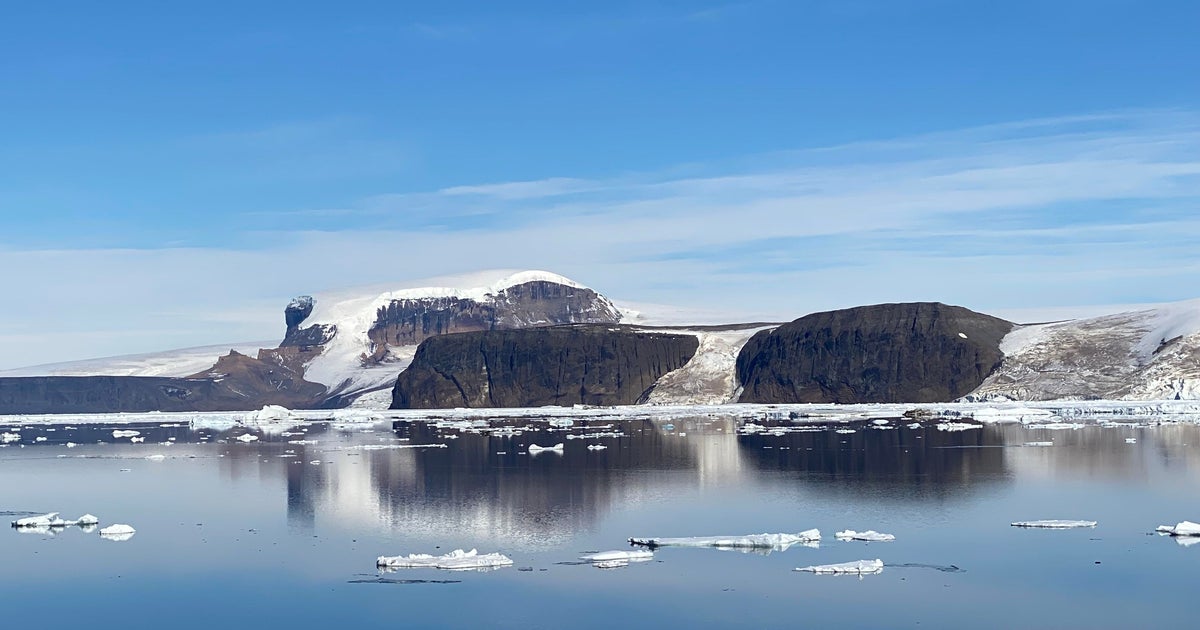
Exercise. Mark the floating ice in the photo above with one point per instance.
(957, 426)
(614, 559)
(457, 560)
(88, 519)
(1183, 528)
(1039, 444)
(868, 536)
(41, 520)
(153, 458)
(915, 425)
(534, 449)
(1131, 440)
(270, 413)
(1055, 524)
(6, 438)
(117, 532)
(596, 447)
(121, 433)
(135, 440)
(246, 437)
(750, 541)
(858, 567)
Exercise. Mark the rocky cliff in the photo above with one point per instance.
(562, 365)
(235, 383)
(915, 352)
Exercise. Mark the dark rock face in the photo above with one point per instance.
(531, 367)
(915, 352)
(410, 321)
(235, 383)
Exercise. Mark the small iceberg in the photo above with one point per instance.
(749, 541)
(1183, 528)
(867, 536)
(615, 559)
(858, 567)
(246, 437)
(1055, 524)
(121, 433)
(457, 560)
(1131, 440)
(596, 447)
(534, 449)
(117, 532)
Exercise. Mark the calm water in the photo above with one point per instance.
(234, 534)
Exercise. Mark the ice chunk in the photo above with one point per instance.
(1131, 440)
(88, 519)
(858, 567)
(41, 520)
(153, 458)
(6, 438)
(749, 541)
(246, 437)
(118, 532)
(957, 426)
(270, 413)
(1055, 524)
(457, 560)
(868, 536)
(120, 433)
(1183, 528)
(613, 559)
(596, 447)
(534, 449)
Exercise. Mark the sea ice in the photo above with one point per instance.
(957, 426)
(1183, 528)
(534, 449)
(457, 560)
(868, 536)
(117, 532)
(6, 438)
(619, 556)
(750, 541)
(246, 437)
(1131, 440)
(596, 447)
(120, 433)
(858, 567)
(41, 520)
(1054, 524)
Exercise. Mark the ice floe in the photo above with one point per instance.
(867, 536)
(1055, 524)
(596, 447)
(121, 433)
(117, 532)
(246, 437)
(534, 449)
(1183, 528)
(7, 438)
(615, 559)
(858, 567)
(457, 560)
(749, 541)
(957, 426)
(41, 520)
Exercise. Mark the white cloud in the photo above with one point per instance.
(1059, 213)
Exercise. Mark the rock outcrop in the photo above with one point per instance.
(914, 352)
(561, 365)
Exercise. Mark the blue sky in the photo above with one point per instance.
(170, 174)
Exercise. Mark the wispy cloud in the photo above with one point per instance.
(1095, 209)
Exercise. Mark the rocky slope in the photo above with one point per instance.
(915, 352)
(1141, 355)
(530, 367)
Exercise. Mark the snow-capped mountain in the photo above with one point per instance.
(1150, 354)
(360, 340)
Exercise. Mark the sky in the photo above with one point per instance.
(171, 174)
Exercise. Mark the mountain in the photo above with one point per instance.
(532, 367)
(916, 352)
(1150, 354)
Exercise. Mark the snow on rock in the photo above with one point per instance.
(1055, 524)
(868, 536)
(710, 376)
(1183, 528)
(457, 560)
(858, 567)
(534, 449)
(1151, 354)
(749, 541)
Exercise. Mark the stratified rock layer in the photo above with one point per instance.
(562, 365)
(913, 352)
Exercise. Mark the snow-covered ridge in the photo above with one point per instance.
(1137, 355)
(172, 363)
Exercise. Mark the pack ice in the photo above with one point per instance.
(52, 520)
(858, 567)
(1054, 524)
(457, 560)
(1183, 528)
(749, 541)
